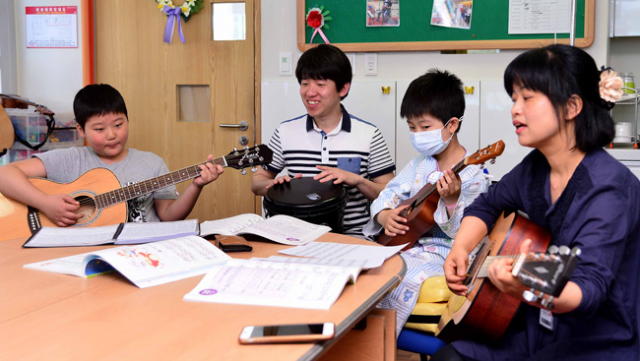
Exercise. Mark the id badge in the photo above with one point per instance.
(546, 319)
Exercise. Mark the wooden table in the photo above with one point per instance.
(53, 316)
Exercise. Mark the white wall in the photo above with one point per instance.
(48, 76)
(279, 35)
(8, 76)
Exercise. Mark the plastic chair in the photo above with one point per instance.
(422, 343)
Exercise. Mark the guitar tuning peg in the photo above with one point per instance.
(564, 250)
(243, 171)
(264, 166)
(254, 169)
(492, 161)
(530, 296)
(250, 160)
(246, 149)
(576, 252)
(482, 166)
(235, 151)
(255, 146)
(547, 303)
(553, 249)
(261, 159)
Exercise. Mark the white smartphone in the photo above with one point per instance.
(307, 332)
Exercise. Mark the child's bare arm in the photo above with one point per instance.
(177, 209)
(14, 183)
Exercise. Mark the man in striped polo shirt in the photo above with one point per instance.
(328, 143)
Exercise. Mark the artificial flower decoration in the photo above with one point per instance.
(317, 19)
(174, 13)
(610, 85)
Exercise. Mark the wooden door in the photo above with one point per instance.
(132, 57)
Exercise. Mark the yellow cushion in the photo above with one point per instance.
(434, 289)
(432, 301)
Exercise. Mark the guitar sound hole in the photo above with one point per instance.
(87, 208)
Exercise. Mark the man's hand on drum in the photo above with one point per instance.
(283, 179)
(392, 221)
(337, 175)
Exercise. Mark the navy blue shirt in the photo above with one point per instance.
(599, 212)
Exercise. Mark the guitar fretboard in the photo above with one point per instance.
(483, 272)
(151, 185)
(432, 188)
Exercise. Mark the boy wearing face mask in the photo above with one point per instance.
(433, 106)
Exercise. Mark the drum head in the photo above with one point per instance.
(304, 193)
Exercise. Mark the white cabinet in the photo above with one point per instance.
(624, 18)
(496, 124)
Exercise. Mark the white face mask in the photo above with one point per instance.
(430, 143)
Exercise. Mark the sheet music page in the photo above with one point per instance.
(265, 283)
(340, 250)
(229, 226)
(72, 236)
(539, 16)
(340, 262)
(144, 232)
(156, 263)
(73, 265)
(287, 230)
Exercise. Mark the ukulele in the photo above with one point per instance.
(486, 312)
(15, 101)
(7, 135)
(423, 205)
(101, 197)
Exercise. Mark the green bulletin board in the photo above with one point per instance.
(489, 28)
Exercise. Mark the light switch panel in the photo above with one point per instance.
(285, 63)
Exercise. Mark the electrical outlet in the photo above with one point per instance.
(352, 60)
(285, 61)
(370, 63)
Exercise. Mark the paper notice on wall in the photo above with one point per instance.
(52, 26)
(539, 16)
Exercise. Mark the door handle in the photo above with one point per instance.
(242, 125)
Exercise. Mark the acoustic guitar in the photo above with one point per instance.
(423, 205)
(486, 312)
(7, 136)
(101, 197)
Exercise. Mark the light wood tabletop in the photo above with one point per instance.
(62, 317)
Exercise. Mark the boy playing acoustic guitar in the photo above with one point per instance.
(433, 106)
(101, 116)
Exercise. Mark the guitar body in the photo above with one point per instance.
(7, 134)
(485, 313)
(419, 219)
(18, 220)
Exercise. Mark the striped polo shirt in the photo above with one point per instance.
(354, 145)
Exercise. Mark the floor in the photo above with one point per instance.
(407, 356)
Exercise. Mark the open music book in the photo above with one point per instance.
(123, 233)
(281, 228)
(144, 265)
(263, 282)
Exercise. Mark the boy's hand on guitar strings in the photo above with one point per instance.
(392, 221)
(209, 172)
(455, 270)
(283, 179)
(61, 209)
(449, 186)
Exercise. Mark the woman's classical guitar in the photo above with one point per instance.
(101, 197)
(486, 312)
(423, 205)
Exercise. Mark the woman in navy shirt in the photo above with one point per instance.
(584, 197)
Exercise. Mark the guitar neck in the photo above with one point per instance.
(151, 185)
(432, 187)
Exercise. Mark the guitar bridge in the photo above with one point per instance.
(33, 220)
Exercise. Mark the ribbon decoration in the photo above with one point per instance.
(316, 19)
(173, 15)
(321, 34)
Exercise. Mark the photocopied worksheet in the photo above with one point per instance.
(330, 250)
(281, 228)
(265, 283)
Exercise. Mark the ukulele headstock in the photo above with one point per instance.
(546, 273)
(488, 153)
(249, 157)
